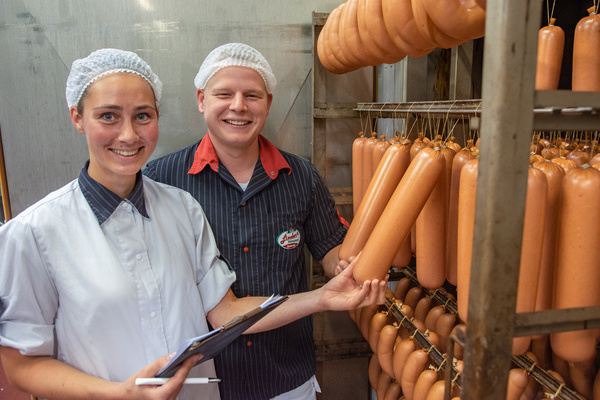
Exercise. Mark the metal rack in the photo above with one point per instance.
(505, 130)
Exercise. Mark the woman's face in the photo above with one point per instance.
(120, 122)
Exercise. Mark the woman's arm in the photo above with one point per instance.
(339, 294)
(49, 378)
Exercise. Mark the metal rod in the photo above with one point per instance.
(552, 321)
(545, 379)
(421, 339)
(4, 184)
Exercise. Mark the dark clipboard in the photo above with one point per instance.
(211, 343)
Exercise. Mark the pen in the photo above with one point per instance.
(160, 381)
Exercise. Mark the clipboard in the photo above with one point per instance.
(211, 343)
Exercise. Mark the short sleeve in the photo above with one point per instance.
(29, 299)
(324, 228)
(215, 277)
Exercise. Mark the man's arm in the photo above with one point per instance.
(331, 261)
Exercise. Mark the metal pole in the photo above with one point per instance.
(507, 122)
(4, 184)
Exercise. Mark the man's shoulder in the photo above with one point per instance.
(161, 168)
(178, 155)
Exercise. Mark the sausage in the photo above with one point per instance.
(443, 327)
(385, 348)
(383, 383)
(437, 391)
(413, 296)
(580, 157)
(517, 382)
(364, 321)
(425, 381)
(334, 44)
(399, 215)
(540, 346)
(378, 321)
(324, 50)
(465, 227)
(420, 325)
(586, 62)
(565, 163)
(582, 375)
(431, 234)
(432, 317)
(374, 371)
(458, 349)
(393, 391)
(531, 249)
(401, 288)
(373, 33)
(376, 196)
(415, 364)
(562, 368)
(378, 151)
(402, 28)
(429, 29)
(404, 254)
(422, 308)
(403, 349)
(455, 19)
(554, 176)
(596, 388)
(578, 245)
(459, 160)
(551, 45)
(433, 338)
(367, 166)
(347, 39)
(357, 154)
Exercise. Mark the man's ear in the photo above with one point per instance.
(200, 98)
(77, 119)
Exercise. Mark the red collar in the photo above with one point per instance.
(271, 158)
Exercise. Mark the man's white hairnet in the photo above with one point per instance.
(238, 55)
(103, 62)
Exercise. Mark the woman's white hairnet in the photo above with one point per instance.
(238, 55)
(103, 62)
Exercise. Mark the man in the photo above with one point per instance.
(263, 205)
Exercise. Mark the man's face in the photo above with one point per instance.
(235, 104)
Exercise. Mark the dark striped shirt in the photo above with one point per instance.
(262, 232)
(104, 202)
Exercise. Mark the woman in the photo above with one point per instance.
(103, 277)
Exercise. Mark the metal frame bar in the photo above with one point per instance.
(507, 123)
(4, 184)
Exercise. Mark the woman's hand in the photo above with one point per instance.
(343, 293)
(167, 391)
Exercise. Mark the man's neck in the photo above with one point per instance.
(239, 161)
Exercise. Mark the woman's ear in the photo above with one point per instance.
(77, 119)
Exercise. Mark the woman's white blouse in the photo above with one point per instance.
(109, 299)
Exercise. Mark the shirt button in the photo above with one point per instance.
(249, 343)
(272, 173)
(244, 203)
(246, 249)
(125, 205)
(153, 314)
(138, 257)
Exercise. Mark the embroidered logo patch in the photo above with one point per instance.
(289, 239)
